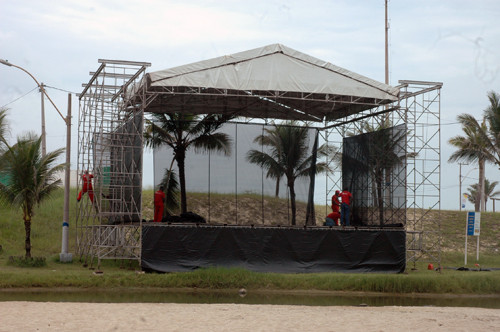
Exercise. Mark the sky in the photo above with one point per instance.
(455, 42)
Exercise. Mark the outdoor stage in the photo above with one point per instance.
(185, 247)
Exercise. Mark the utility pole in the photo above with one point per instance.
(386, 45)
(64, 256)
(44, 144)
(460, 184)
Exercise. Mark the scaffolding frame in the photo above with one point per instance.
(418, 107)
(110, 143)
(111, 126)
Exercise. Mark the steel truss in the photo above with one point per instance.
(110, 144)
(419, 109)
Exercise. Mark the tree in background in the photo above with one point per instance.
(488, 191)
(181, 131)
(383, 153)
(287, 156)
(31, 178)
(4, 129)
(492, 115)
(474, 146)
(171, 185)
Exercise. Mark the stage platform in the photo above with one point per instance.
(185, 247)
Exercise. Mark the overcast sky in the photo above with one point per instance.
(456, 42)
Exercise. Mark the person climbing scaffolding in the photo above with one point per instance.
(87, 187)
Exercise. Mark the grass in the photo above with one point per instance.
(46, 242)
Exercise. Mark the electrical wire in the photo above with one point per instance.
(27, 93)
(52, 87)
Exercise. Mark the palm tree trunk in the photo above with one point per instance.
(27, 240)
(291, 186)
(181, 157)
(277, 192)
(380, 199)
(482, 201)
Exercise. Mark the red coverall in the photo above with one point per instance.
(87, 187)
(335, 214)
(158, 202)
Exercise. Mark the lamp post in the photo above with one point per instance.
(64, 256)
(461, 180)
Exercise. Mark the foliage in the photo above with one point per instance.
(488, 191)
(472, 147)
(492, 116)
(287, 155)
(383, 154)
(171, 185)
(4, 129)
(481, 142)
(181, 131)
(31, 178)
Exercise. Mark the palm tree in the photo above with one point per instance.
(383, 153)
(182, 131)
(474, 146)
(4, 129)
(287, 156)
(274, 142)
(492, 115)
(171, 185)
(31, 178)
(489, 187)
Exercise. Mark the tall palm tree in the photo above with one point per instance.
(472, 147)
(31, 178)
(492, 115)
(489, 188)
(287, 156)
(181, 131)
(383, 153)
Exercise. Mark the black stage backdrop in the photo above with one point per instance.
(178, 248)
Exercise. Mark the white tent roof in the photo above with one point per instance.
(272, 81)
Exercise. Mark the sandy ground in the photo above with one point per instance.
(40, 316)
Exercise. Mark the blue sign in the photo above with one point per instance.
(471, 216)
(473, 223)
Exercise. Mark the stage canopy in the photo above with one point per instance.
(272, 82)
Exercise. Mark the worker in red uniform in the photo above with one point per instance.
(345, 206)
(158, 202)
(87, 186)
(335, 214)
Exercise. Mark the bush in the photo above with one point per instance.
(22, 261)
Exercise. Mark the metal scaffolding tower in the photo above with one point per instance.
(110, 147)
(418, 109)
(110, 141)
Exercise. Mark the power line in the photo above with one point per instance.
(52, 87)
(27, 93)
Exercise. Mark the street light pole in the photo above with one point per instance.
(460, 182)
(44, 143)
(64, 256)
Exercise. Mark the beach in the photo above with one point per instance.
(73, 316)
